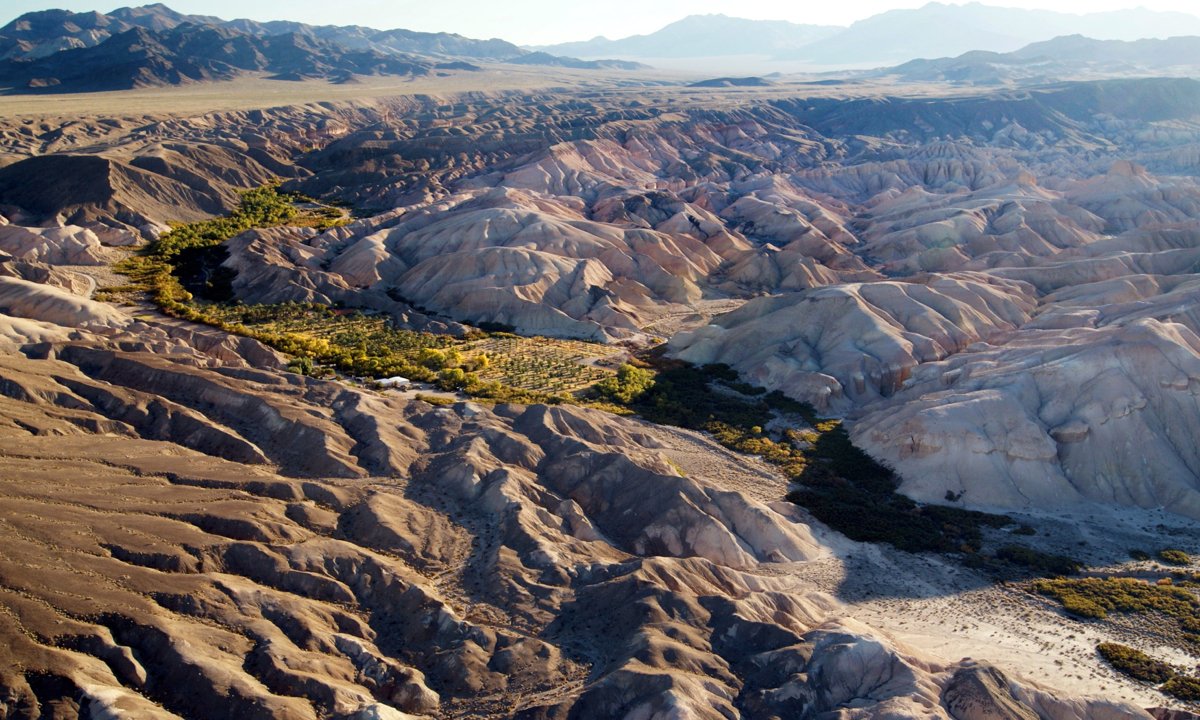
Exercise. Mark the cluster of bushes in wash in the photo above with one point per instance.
(1140, 666)
(324, 339)
(1096, 598)
(189, 245)
(1172, 556)
(1170, 604)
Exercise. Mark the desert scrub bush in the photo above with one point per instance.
(1135, 663)
(435, 400)
(1186, 579)
(1175, 557)
(301, 365)
(1139, 555)
(1082, 607)
(1140, 666)
(1096, 598)
(1038, 561)
(1184, 687)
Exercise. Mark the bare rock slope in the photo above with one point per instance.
(849, 343)
(186, 535)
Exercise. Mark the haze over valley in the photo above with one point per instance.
(743, 369)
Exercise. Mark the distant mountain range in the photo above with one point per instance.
(154, 45)
(1062, 57)
(728, 82)
(190, 53)
(62, 51)
(935, 30)
(707, 36)
(39, 34)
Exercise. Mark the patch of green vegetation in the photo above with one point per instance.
(685, 395)
(1096, 598)
(840, 485)
(1184, 687)
(1175, 557)
(1135, 663)
(325, 339)
(629, 384)
(1139, 555)
(541, 364)
(846, 489)
(435, 400)
(1140, 666)
(1186, 579)
(259, 208)
(301, 366)
(182, 273)
(190, 253)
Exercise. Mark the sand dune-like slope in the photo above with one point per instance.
(594, 238)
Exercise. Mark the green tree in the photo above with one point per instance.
(627, 385)
(456, 379)
(432, 359)
(302, 365)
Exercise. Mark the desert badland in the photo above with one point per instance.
(375, 374)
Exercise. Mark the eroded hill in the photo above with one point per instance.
(995, 292)
(191, 531)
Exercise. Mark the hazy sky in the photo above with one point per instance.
(548, 21)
